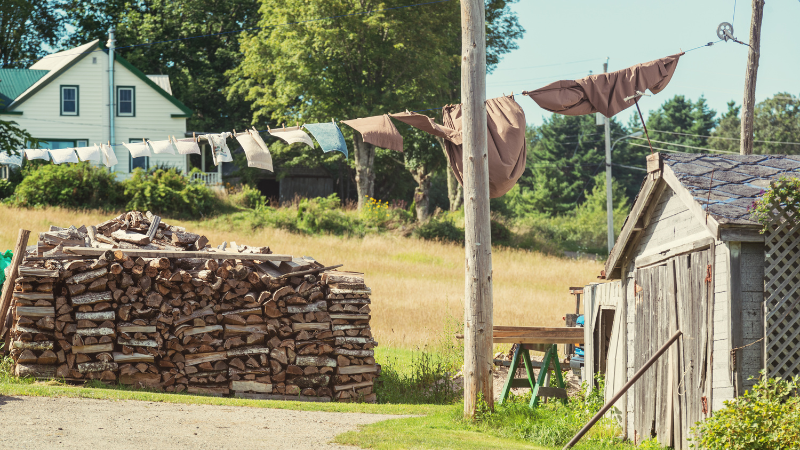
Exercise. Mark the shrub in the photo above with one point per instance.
(168, 192)
(440, 228)
(6, 189)
(247, 197)
(68, 185)
(768, 418)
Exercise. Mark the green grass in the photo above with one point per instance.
(56, 389)
(434, 431)
(445, 429)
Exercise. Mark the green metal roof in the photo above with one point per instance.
(13, 82)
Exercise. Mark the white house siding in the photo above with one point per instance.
(152, 121)
(42, 119)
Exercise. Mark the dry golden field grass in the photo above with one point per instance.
(416, 284)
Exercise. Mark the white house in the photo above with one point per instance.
(63, 100)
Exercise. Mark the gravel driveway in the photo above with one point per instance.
(34, 423)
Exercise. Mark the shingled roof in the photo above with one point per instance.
(718, 189)
(736, 181)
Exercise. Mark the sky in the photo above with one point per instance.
(566, 39)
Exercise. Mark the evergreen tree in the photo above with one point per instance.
(726, 135)
(678, 118)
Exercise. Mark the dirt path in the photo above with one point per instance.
(34, 423)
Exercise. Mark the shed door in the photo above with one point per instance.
(675, 392)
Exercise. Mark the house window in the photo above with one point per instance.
(126, 101)
(142, 162)
(69, 100)
(55, 144)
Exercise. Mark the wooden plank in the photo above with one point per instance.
(96, 316)
(36, 311)
(741, 233)
(347, 387)
(33, 295)
(37, 272)
(253, 386)
(351, 316)
(348, 370)
(133, 253)
(735, 299)
(311, 326)
(131, 328)
(199, 330)
(670, 252)
(642, 201)
(94, 348)
(551, 392)
(8, 286)
(120, 357)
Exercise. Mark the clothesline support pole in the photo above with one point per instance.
(478, 245)
(609, 193)
(749, 102)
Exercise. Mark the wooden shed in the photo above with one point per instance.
(691, 257)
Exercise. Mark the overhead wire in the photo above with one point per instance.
(684, 146)
(725, 138)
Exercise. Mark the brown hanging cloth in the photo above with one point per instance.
(607, 93)
(379, 131)
(505, 138)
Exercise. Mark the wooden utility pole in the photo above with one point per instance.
(749, 103)
(478, 243)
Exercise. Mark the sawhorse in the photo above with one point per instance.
(539, 389)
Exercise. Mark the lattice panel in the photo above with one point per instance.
(782, 298)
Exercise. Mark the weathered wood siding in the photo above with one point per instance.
(671, 224)
(750, 360)
(722, 377)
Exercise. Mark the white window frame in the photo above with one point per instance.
(77, 100)
(132, 90)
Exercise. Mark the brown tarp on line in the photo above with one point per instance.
(605, 92)
(506, 140)
(379, 131)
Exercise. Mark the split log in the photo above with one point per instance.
(137, 342)
(34, 370)
(339, 341)
(36, 272)
(199, 330)
(142, 380)
(244, 351)
(318, 306)
(132, 328)
(319, 361)
(129, 236)
(357, 369)
(199, 358)
(36, 311)
(37, 346)
(354, 353)
(311, 326)
(347, 387)
(252, 386)
(87, 277)
(120, 357)
(33, 296)
(88, 299)
(96, 316)
(93, 348)
(96, 332)
(97, 367)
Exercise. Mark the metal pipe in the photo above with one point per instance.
(111, 45)
(624, 389)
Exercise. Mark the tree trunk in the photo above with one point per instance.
(422, 192)
(749, 102)
(365, 175)
(455, 193)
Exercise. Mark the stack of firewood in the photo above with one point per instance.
(217, 322)
(33, 346)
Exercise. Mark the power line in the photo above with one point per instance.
(684, 146)
(726, 138)
(677, 151)
(551, 65)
